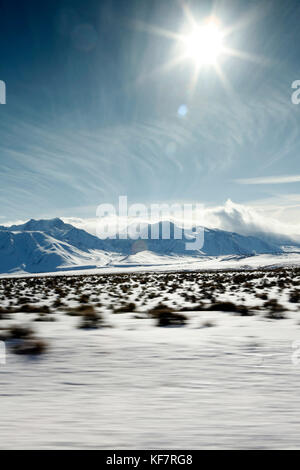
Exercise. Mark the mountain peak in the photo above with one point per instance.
(40, 225)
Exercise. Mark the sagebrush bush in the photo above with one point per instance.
(274, 306)
(20, 332)
(28, 308)
(166, 316)
(90, 319)
(230, 307)
(31, 347)
(126, 308)
(294, 296)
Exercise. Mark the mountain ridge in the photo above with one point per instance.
(51, 244)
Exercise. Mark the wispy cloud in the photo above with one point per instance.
(51, 167)
(270, 180)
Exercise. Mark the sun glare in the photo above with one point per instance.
(203, 42)
(204, 45)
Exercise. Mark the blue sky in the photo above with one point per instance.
(92, 107)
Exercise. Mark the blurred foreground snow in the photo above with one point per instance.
(233, 385)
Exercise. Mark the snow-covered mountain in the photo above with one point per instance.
(51, 245)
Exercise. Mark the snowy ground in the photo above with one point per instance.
(146, 261)
(224, 379)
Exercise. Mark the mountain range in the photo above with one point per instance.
(53, 245)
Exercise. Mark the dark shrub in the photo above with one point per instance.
(45, 318)
(273, 315)
(274, 306)
(223, 307)
(20, 332)
(275, 310)
(24, 300)
(244, 311)
(126, 308)
(167, 317)
(195, 308)
(90, 319)
(229, 307)
(263, 296)
(80, 310)
(31, 347)
(84, 298)
(295, 296)
(58, 303)
(28, 308)
(4, 311)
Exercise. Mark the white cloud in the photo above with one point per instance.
(270, 180)
(268, 217)
(254, 219)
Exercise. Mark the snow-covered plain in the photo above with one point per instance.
(150, 262)
(225, 379)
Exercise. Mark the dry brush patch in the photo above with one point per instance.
(166, 316)
(87, 296)
(23, 341)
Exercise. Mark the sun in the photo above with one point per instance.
(205, 44)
